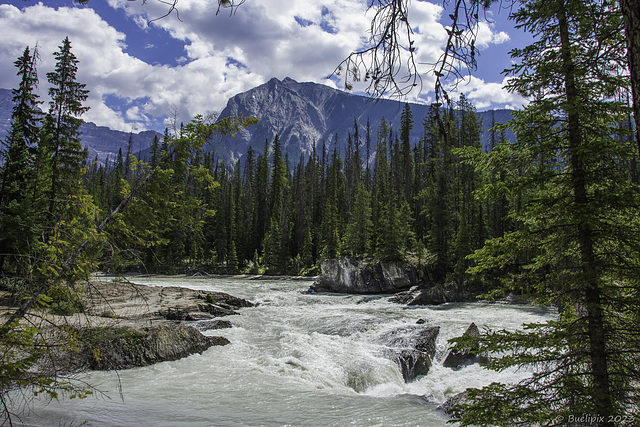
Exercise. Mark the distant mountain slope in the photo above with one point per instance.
(306, 114)
(100, 140)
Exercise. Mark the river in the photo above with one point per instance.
(297, 359)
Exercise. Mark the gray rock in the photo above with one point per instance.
(456, 359)
(435, 295)
(412, 348)
(113, 348)
(216, 310)
(225, 300)
(201, 311)
(449, 406)
(207, 325)
(179, 313)
(405, 297)
(361, 276)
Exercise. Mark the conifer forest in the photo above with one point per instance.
(550, 215)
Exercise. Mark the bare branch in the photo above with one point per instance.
(388, 63)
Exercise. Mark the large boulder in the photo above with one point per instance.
(412, 348)
(363, 276)
(456, 359)
(113, 348)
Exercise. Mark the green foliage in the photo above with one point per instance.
(64, 301)
(194, 211)
(576, 240)
(21, 348)
(59, 216)
(18, 214)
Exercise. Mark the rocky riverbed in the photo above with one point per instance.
(127, 325)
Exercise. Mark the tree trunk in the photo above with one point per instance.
(631, 14)
(600, 387)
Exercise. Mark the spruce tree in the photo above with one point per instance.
(406, 163)
(67, 156)
(18, 216)
(578, 245)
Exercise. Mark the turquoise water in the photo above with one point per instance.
(296, 359)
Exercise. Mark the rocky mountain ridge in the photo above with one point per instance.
(304, 116)
(101, 141)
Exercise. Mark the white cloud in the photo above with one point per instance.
(103, 66)
(486, 95)
(486, 35)
(223, 55)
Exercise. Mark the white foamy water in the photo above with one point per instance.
(296, 359)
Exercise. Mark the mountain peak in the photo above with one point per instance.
(306, 115)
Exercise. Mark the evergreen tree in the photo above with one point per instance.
(579, 228)
(18, 217)
(406, 163)
(248, 205)
(261, 218)
(470, 232)
(155, 152)
(381, 193)
(359, 229)
(67, 156)
(332, 223)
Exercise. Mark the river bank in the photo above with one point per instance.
(126, 325)
(296, 358)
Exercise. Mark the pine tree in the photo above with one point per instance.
(248, 205)
(63, 143)
(406, 163)
(470, 232)
(334, 205)
(155, 152)
(18, 216)
(578, 245)
(359, 229)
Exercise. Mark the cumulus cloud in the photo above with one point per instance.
(486, 35)
(223, 54)
(103, 66)
(485, 95)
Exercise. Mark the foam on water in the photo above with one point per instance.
(296, 359)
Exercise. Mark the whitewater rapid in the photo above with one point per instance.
(296, 359)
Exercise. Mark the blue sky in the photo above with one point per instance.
(147, 76)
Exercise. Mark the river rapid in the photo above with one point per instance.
(297, 359)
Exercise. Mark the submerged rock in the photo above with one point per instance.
(207, 325)
(360, 276)
(456, 359)
(412, 348)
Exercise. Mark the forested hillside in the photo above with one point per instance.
(267, 214)
(303, 115)
(550, 215)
